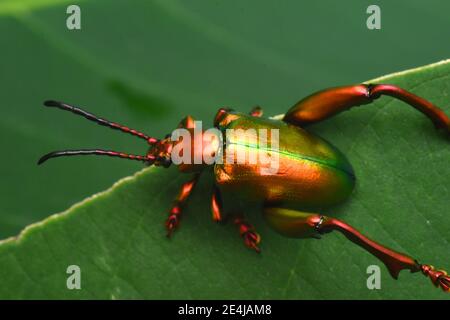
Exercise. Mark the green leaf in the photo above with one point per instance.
(117, 237)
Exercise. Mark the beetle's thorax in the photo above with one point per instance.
(188, 146)
(196, 150)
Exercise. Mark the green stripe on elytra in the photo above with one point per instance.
(294, 156)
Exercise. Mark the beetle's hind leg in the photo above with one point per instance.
(299, 224)
(325, 104)
(173, 220)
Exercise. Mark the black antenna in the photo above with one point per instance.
(149, 158)
(100, 121)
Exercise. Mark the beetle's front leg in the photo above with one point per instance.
(325, 104)
(299, 224)
(173, 220)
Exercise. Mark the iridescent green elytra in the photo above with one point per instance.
(311, 172)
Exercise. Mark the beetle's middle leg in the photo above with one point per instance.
(173, 220)
(297, 224)
(246, 230)
(325, 104)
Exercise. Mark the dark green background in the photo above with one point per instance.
(149, 63)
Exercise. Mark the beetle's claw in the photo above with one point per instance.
(439, 278)
(171, 224)
(252, 239)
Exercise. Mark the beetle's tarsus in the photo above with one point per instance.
(247, 232)
(251, 240)
(172, 223)
(439, 278)
(173, 220)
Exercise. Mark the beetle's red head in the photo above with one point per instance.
(158, 154)
(161, 151)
